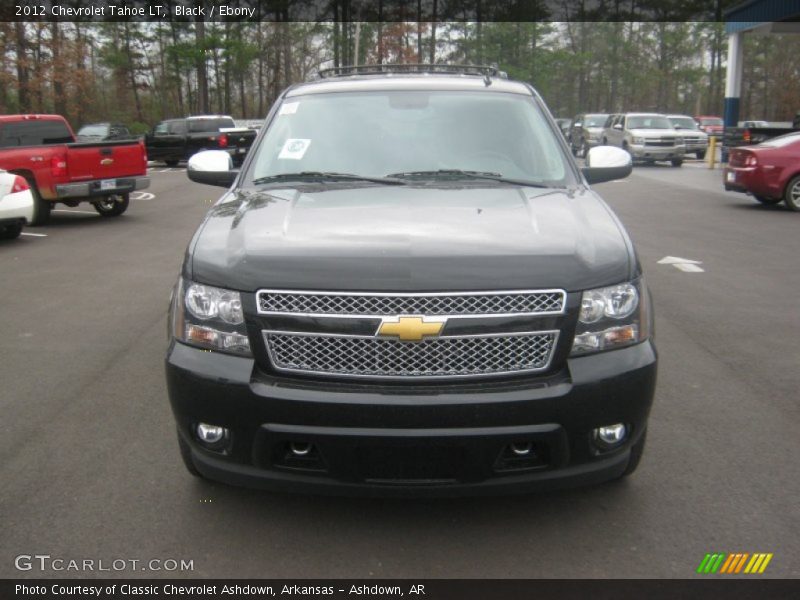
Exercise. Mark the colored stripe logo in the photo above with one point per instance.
(739, 562)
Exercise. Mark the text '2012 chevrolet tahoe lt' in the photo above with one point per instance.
(409, 288)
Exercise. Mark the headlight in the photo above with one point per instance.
(210, 318)
(612, 317)
(638, 140)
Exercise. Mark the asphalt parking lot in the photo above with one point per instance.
(90, 467)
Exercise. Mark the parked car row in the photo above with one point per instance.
(648, 137)
(42, 162)
(42, 150)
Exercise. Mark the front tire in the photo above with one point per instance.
(676, 162)
(791, 197)
(113, 205)
(701, 154)
(11, 231)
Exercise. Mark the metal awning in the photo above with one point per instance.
(764, 16)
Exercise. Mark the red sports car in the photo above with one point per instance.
(770, 171)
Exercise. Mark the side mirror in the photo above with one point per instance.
(618, 126)
(212, 167)
(607, 163)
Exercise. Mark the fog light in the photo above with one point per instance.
(211, 434)
(611, 435)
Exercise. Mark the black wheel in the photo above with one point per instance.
(186, 456)
(636, 455)
(765, 200)
(10, 231)
(701, 154)
(791, 197)
(113, 205)
(171, 163)
(676, 162)
(41, 207)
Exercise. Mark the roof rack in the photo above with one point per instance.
(485, 71)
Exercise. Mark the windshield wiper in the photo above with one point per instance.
(461, 174)
(326, 176)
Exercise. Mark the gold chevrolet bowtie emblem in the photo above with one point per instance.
(107, 161)
(411, 329)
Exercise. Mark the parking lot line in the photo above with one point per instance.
(34, 234)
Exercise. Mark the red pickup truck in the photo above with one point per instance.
(42, 149)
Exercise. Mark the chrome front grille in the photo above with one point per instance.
(540, 302)
(430, 358)
(662, 142)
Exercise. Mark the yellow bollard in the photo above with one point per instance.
(711, 153)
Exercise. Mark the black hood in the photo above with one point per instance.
(411, 238)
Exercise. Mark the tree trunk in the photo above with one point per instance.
(260, 44)
(23, 92)
(202, 74)
(419, 31)
(132, 74)
(380, 32)
(433, 34)
(176, 66)
(59, 99)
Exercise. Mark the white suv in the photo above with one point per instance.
(695, 140)
(648, 137)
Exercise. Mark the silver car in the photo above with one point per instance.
(586, 132)
(696, 141)
(647, 137)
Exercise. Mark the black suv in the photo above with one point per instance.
(410, 288)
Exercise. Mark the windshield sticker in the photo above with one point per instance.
(289, 108)
(294, 149)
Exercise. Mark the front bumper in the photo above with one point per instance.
(86, 189)
(643, 152)
(750, 180)
(420, 440)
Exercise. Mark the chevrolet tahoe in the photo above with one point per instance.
(410, 288)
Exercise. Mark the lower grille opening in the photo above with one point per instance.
(522, 455)
(298, 455)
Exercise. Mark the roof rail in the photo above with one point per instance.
(485, 71)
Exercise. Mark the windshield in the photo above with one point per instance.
(649, 122)
(684, 122)
(94, 130)
(376, 134)
(714, 121)
(204, 125)
(594, 120)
